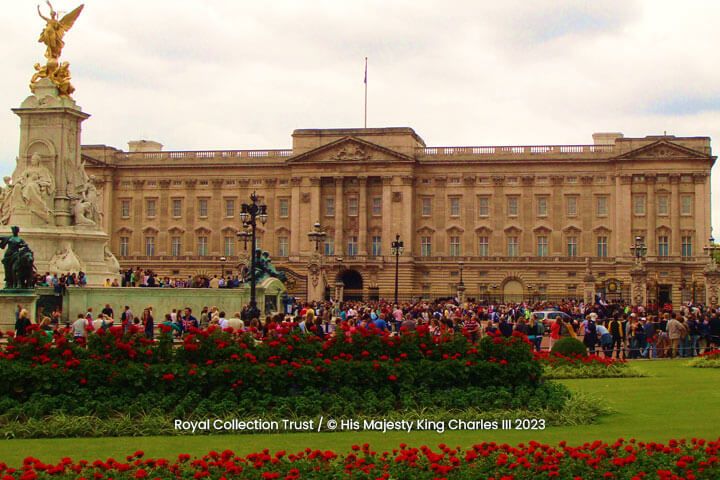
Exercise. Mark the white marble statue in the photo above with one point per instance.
(5, 197)
(110, 260)
(64, 260)
(82, 211)
(34, 188)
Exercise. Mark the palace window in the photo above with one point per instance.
(426, 246)
(663, 246)
(329, 207)
(638, 204)
(483, 207)
(175, 246)
(376, 246)
(377, 206)
(352, 246)
(663, 205)
(513, 246)
(602, 246)
(177, 207)
(151, 207)
(202, 246)
(572, 246)
(329, 246)
(601, 206)
(571, 209)
(454, 206)
(352, 205)
(686, 205)
(426, 206)
(512, 206)
(203, 207)
(454, 246)
(229, 207)
(686, 250)
(124, 246)
(283, 246)
(149, 246)
(125, 208)
(542, 206)
(483, 246)
(542, 246)
(284, 208)
(229, 246)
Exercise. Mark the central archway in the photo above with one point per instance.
(513, 291)
(352, 285)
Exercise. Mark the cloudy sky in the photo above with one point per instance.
(237, 74)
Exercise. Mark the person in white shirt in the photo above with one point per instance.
(222, 321)
(79, 327)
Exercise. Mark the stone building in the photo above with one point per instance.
(524, 221)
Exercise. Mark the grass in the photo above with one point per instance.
(672, 401)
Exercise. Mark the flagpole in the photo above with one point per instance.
(365, 92)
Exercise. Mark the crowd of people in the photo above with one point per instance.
(138, 277)
(608, 329)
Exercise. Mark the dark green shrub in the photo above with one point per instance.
(569, 346)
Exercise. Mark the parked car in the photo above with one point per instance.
(549, 316)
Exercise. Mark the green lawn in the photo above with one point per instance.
(674, 401)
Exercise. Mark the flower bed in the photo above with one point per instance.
(621, 460)
(706, 360)
(558, 366)
(216, 373)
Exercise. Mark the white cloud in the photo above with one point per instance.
(244, 74)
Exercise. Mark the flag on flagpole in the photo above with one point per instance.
(365, 80)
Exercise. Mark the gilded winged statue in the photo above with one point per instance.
(52, 36)
(54, 31)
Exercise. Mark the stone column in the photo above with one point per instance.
(363, 216)
(216, 212)
(315, 192)
(701, 211)
(339, 216)
(137, 205)
(295, 232)
(651, 237)
(638, 285)
(498, 217)
(388, 235)
(407, 233)
(189, 243)
(675, 214)
(163, 242)
(623, 216)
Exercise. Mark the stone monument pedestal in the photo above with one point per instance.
(9, 300)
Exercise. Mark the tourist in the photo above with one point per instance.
(589, 329)
(108, 311)
(536, 330)
(22, 323)
(650, 350)
(148, 323)
(556, 330)
(606, 339)
(617, 335)
(675, 330)
(79, 329)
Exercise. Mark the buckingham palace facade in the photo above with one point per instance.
(519, 221)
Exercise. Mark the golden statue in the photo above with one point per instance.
(54, 31)
(52, 36)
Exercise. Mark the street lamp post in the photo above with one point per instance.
(638, 249)
(249, 214)
(711, 248)
(222, 266)
(397, 248)
(461, 284)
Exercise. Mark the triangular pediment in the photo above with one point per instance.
(91, 161)
(350, 150)
(663, 149)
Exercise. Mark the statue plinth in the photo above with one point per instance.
(50, 196)
(9, 301)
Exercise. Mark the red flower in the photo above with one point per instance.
(168, 377)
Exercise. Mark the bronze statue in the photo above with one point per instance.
(263, 268)
(18, 261)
